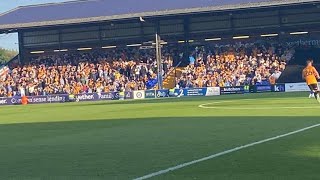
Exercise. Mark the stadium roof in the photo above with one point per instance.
(85, 11)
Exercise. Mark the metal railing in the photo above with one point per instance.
(170, 71)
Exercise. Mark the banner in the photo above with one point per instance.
(150, 94)
(138, 94)
(210, 91)
(86, 97)
(296, 87)
(262, 88)
(213, 91)
(109, 96)
(7, 101)
(195, 92)
(162, 93)
(232, 90)
(97, 97)
(36, 99)
(247, 89)
(279, 88)
(128, 95)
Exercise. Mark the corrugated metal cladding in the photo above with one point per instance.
(98, 8)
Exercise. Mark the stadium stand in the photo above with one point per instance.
(98, 71)
(189, 30)
(258, 64)
(134, 69)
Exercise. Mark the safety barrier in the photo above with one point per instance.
(163, 93)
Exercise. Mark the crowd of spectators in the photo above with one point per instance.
(134, 69)
(76, 73)
(235, 65)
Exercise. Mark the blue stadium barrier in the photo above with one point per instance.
(149, 94)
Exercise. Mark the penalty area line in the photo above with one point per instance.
(173, 168)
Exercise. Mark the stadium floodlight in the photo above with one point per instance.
(133, 45)
(269, 35)
(84, 49)
(240, 37)
(60, 50)
(213, 39)
(108, 47)
(299, 33)
(36, 52)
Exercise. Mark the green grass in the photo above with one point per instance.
(129, 139)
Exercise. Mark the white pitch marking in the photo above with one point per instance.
(204, 106)
(164, 171)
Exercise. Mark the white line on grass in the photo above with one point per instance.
(205, 106)
(164, 171)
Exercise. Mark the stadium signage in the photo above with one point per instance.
(97, 97)
(232, 90)
(263, 88)
(296, 87)
(108, 96)
(4, 101)
(56, 98)
(279, 88)
(210, 91)
(162, 93)
(213, 91)
(35, 99)
(196, 92)
(150, 94)
(85, 97)
(138, 94)
(128, 95)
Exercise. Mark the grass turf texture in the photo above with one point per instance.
(129, 139)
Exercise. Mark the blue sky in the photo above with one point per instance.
(10, 41)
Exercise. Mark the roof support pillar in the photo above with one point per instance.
(21, 48)
(186, 23)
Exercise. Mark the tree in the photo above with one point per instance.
(6, 55)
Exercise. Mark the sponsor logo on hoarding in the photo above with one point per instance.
(213, 91)
(3, 101)
(128, 95)
(263, 88)
(296, 87)
(37, 99)
(162, 93)
(138, 94)
(106, 96)
(14, 100)
(150, 94)
(196, 92)
(279, 88)
(232, 90)
(85, 97)
(56, 99)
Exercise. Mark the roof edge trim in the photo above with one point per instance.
(156, 13)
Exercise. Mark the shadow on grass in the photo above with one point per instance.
(124, 149)
(197, 98)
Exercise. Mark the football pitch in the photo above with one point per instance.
(239, 137)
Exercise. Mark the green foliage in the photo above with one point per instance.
(6, 55)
